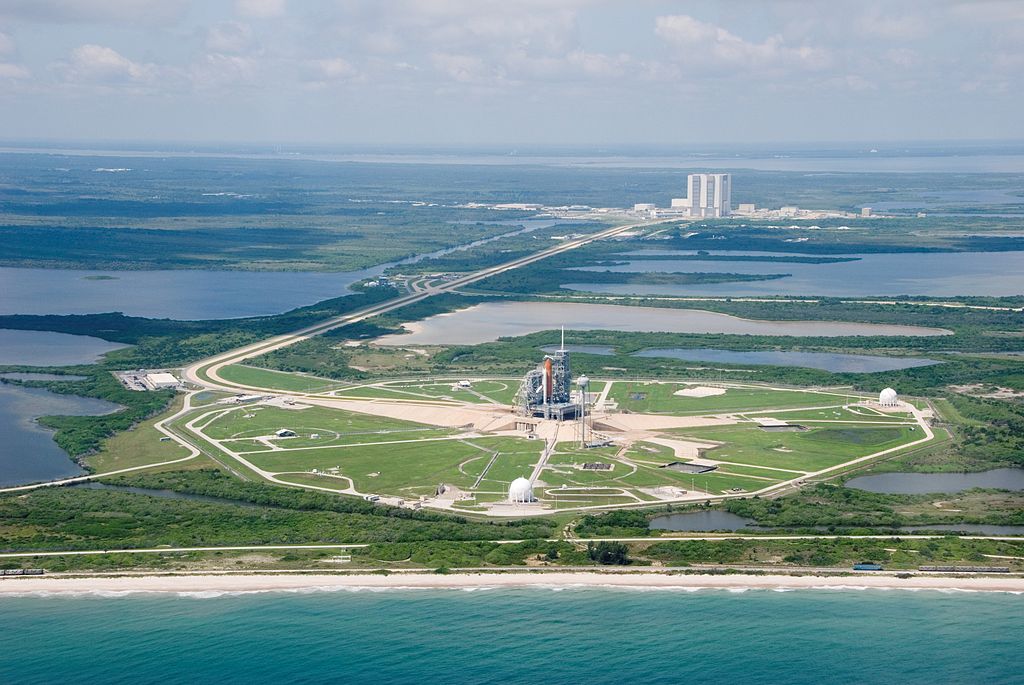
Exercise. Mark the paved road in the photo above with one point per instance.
(206, 373)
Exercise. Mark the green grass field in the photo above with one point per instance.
(250, 421)
(659, 398)
(409, 468)
(278, 380)
(812, 450)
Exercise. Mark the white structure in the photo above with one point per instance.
(159, 381)
(888, 398)
(644, 207)
(707, 195)
(521, 491)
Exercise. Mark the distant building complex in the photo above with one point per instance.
(707, 195)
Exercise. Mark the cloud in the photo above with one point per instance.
(6, 45)
(98, 64)
(229, 37)
(714, 46)
(335, 69)
(260, 9)
(13, 72)
(462, 68)
(145, 12)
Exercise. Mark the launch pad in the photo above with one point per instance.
(546, 391)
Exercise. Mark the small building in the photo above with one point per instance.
(865, 211)
(644, 207)
(160, 381)
(284, 433)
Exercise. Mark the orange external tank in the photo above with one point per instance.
(548, 379)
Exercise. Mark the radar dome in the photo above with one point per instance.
(520, 491)
(888, 398)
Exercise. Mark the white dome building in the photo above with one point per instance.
(888, 398)
(521, 491)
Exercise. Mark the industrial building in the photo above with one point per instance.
(547, 390)
(707, 196)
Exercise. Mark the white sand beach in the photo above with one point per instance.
(269, 582)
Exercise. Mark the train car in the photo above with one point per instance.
(867, 566)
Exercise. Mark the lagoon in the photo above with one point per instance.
(491, 320)
(46, 348)
(191, 294)
(937, 274)
(30, 455)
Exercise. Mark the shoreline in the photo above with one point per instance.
(274, 582)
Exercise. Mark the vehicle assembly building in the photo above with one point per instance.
(547, 390)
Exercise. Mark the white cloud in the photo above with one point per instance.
(462, 68)
(714, 46)
(6, 44)
(882, 23)
(260, 9)
(217, 70)
(335, 69)
(99, 64)
(145, 12)
(13, 72)
(229, 37)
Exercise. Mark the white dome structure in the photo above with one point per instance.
(888, 398)
(521, 491)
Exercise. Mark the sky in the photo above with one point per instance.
(511, 72)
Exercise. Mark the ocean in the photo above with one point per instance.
(530, 635)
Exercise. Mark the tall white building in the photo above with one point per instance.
(707, 195)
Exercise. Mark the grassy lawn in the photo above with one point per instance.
(278, 380)
(862, 415)
(329, 423)
(659, 398)
(813, 450)
(401, 469)
(140, 446)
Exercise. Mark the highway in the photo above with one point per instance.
(205, 373)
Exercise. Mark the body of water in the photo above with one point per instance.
(517, 636)
(701, 521)
(29, 453)
(827, 361)
(46, 348)
(946, 483)
(489, 321)
(938, 274)
(192, 294)
(18, 376)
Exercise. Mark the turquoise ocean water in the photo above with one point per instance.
(530, 635)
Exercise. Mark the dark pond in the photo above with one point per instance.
(945, 483)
